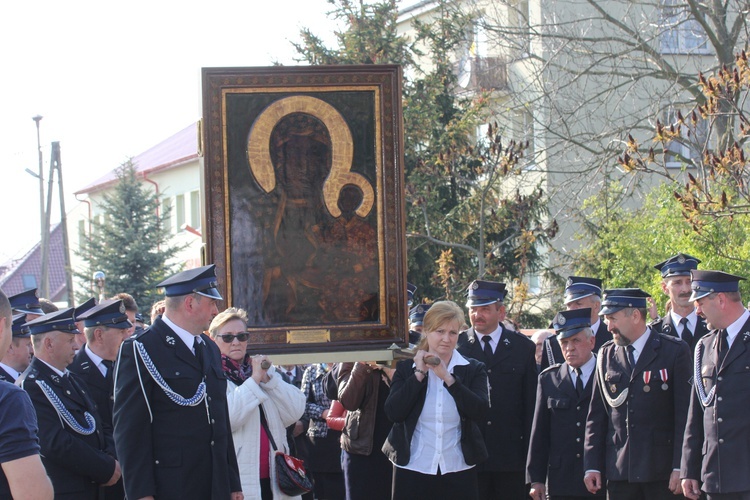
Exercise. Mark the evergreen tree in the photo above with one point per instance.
(462, 220)
(129, 244)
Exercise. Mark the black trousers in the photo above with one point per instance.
(497, 485)
(742, 495)
(654, 490)
(411, 485)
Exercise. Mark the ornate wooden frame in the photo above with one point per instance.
(303, 173)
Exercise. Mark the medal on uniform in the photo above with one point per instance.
(664, 378)
(646, 380)
(613, 388)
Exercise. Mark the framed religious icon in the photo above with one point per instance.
(304, 205)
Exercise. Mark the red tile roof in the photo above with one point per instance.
(172, 152)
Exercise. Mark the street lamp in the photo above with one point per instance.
(99, 278)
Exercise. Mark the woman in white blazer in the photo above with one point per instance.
(250, 388)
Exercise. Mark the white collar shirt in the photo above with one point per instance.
(734, 329)
(96, 359)
(639, 344)
(61, 373)
(185, 336)
(595, 326)
(494, 337)
(11, 371)
(692, 322)
(587, 369)
(436, 442)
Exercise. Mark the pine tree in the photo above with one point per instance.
(129, 244)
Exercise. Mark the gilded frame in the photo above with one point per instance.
(303, 183)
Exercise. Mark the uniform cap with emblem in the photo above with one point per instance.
(707, 282)
(78, 311)
(416, 315)
(621, 298)
(110, 313)
(20, 330)
(55, 321)
(482, 293)
(26, 302)
(410, 289)
(677, 265)
(568, 323)
(201, 280)
(578, 287)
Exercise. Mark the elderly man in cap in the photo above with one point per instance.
(681, 320)
(580, 293)
(19, 353)
(73, 445)
(26, 302)
(512, 376)
(715, 449)
(106, 326)
(562, 401)
(22, 473)
(170, 414)
(77, 312)
(639, 406)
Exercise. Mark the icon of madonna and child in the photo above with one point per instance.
(304, 229)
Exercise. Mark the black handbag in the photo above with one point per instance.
(291, 476)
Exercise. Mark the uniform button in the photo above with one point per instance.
(578, 407)
(719, 398)
(721, 441)
(489, 422)
(578, 455)
(209, 398)
(67, 392)
(578, 424)
(489, 371)
(177, 373)
(578, 440)
(212, 443)
(720, 420)
(213, 421)
(156, 462)
(719, 379)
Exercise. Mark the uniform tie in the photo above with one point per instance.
(487, 347)
(687, 335)
(200, 353)
(579, 381)
(110, 369)
(631, 357)
(723, 346)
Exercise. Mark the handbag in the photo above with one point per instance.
(291, 476)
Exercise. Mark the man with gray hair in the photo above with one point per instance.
(22, 473)
(562, 401)
(639, 408)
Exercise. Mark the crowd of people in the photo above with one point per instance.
(610, 401)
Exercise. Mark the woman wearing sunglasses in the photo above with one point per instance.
(254, 394)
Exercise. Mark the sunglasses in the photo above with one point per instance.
(228, 338)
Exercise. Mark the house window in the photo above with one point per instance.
(687, 149)
(680, 33)
(179, 211)
(195, 209)
(29, 281)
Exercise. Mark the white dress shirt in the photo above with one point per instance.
(734, 329)
(187, 337)
(494, 337)
(96, 359)
(437, 437)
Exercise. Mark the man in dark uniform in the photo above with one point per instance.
(26, 302)
(715, 450)
(512, 375)
(22, 473)
(106, 326)
(580, 293)
(20, 352)
(562, 402)
(639, 406)
(171, 421)
(74, 449)
(77, 312)
(681, 320)
(416, 320)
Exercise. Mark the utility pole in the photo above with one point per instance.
(44, 243)
(57, 164)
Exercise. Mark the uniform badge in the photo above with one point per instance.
(55, 378)
(170, 340)
(613, 388)
(506, 341)
(569, 283)
(646, 380)
(681, 259)
(745, 336)
(664, 377)
(474, 285)
(560, 319)
(122, 308)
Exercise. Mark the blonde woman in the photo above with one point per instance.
(435, 403)
(250, 388)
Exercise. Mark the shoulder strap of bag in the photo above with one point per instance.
(265, 426)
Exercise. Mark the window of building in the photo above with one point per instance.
(680, 33)
(688, 147)
(195, 209)
(179, 211)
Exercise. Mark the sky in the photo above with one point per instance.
(114, 79)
